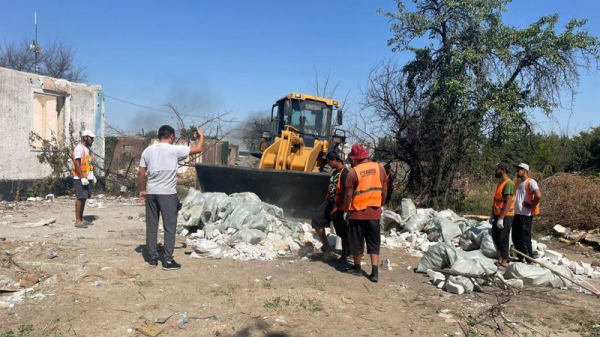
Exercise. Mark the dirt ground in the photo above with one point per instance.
(103, 287)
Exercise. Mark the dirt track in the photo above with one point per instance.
(233, 298)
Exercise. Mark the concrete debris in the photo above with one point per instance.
(6, 281)
(454, 288)
(515, 283)
(435, 277)
(252, 229)
(553, 256)
(18, 298)
(560, 229)
(51, 281)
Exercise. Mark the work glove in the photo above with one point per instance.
(500, 223)
(92, 177)
(491, 220)
(85, 182)
(346, 216)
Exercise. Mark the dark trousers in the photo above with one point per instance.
(157, 204)
(361, 232)
(521, 234)
(501, 236)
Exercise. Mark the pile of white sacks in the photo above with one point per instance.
(242, 227)
(445, 240)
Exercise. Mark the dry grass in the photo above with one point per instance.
(570, 200)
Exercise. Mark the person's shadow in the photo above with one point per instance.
(142, 250)
(90, 218)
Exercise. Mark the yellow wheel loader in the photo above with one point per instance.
(292, 161)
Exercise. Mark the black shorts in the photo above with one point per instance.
(321, 220)
(361, 231)
(82, 192)
(340, 225)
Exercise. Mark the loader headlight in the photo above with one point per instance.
(336, 139)
(266, 134)
(297, 96)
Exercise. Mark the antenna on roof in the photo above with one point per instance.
(34, 45)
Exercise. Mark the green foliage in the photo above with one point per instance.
(149, 136)
(110, 144)
(585, 325)
(23, 330)
(57, 154)
(470, 89)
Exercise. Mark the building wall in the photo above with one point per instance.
(23, 98)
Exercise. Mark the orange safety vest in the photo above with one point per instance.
(86, 164)
(369, 191)
(338, 199)
(498, 204)
(536, 211)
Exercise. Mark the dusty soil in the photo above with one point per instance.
(105, 288)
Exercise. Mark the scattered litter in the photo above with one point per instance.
(41, 223)
(388, 265)
(149, 328)
(49, 197)
(269, 278)
(52, 255)
(29, 280)
(51, 281)
(97, 283)
(347, 300)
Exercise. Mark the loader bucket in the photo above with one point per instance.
(297, 193)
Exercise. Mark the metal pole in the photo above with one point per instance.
(36, 50)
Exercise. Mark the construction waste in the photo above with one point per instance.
(444, 240)
(252, 229)
(242, 227)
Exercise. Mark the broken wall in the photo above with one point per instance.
(44, 105)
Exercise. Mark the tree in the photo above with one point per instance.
(475, 81)
(252, 126)
(56, 60)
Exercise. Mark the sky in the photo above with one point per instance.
(241, 56)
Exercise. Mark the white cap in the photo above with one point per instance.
(523, 166)
(88, 133)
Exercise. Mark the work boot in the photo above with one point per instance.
(356, 271)
(153, 263)
(170, 265)
(374, 277)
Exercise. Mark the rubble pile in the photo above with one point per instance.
(252, 229)
(444, 240)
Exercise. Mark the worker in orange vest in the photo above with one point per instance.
(332, 208)
(366, 188)
(83, 175)
(527, 205)
(503, 212)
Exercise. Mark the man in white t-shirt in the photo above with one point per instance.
(83, 175)
(160, 161)
(527, 200)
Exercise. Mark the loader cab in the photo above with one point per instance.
(310, 115)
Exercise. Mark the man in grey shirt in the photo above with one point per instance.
(159, 162)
